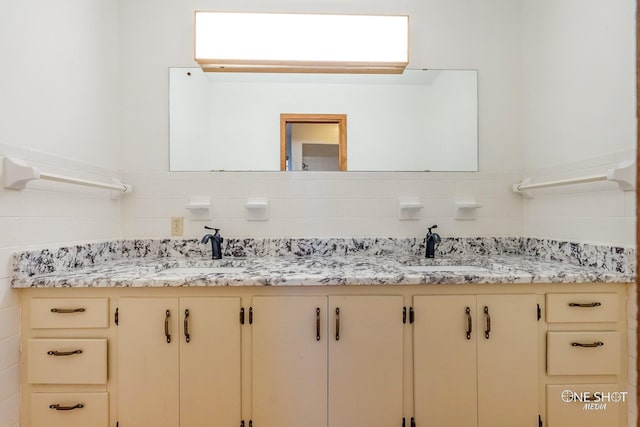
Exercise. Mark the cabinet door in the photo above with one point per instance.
(507, 361)
(289, 362)
(148, 387)
(365, 361)
(209, 362)
(444, 361)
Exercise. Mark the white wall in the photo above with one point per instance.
(579, 105)
(579, 119)
(59, 109)
(444, 34)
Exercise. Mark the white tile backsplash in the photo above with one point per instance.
(8, 297)
(9, 380)
(9, 352)
(9, 322)
(323, 204)
(10, 411)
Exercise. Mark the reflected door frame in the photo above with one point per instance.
(339, 119)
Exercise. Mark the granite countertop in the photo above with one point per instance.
(319, 270)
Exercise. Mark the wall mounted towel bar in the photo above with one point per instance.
(624, 175)
(16, 174)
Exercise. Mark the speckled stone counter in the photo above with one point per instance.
(318, 262)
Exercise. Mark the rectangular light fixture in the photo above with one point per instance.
(289, 42)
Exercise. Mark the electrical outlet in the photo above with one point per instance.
(177, 225)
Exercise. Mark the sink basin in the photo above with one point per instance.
(444, 268)
(202, 270)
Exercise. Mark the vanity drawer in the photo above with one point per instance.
(565, 409)
(572, 308)
(58, 313)
(67, 361)
(583, 353)
(94, 411)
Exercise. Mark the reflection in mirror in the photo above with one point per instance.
(312, 146)
(316, 142)
(415, 121)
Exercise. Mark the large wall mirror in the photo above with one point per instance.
(421, 120)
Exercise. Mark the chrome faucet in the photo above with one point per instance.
(216, 242)
(432, 240)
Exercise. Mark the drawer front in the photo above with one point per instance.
(569, 405)
(94, 411)
(52, 313)
(583, 353)
(571, 308)
(67, 361)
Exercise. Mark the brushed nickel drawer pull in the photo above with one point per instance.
(588, 345)
(587, 305)
(63, 353)
(317, 323)
(68, 310)
(487, 331)
(59, 407)
(469, 323)
(187, 336)
(167, 315)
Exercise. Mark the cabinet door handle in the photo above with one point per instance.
(337, 323)
(587, 345)
(317, 323)
(63, 353)
(59, 407)
(469, 323)
(487, 331)
(167, 315)
(586, 305)
(187, 337)
(68, 310)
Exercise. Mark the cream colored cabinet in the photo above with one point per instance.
(179, 362)
(305, 373)
(69, 409)
(585, 348)
(366, 361)
(289, 361)
(444, 354)
(586, 405)
(66, 362)
(335, 356)
(476, 360)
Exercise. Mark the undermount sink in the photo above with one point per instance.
(444, 268)
(202, 270)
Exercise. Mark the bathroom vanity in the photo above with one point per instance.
(355, 340)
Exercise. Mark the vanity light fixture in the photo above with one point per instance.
(300, 43)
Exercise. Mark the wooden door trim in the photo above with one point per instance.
(339, 119)
(637, 199)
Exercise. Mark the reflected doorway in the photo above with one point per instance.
(313, 142)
